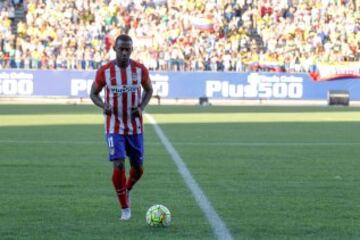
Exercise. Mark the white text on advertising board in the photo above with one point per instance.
(16, 84)
(160, 84)
(259, 86)
(80, 86)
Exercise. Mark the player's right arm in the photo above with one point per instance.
(96, 88)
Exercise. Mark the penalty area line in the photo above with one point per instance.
(218, 226)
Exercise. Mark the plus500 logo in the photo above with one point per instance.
(16, 87)
(259, 86)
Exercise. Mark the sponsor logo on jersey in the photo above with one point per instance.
(124, 89)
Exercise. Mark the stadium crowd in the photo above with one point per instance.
(187, 35)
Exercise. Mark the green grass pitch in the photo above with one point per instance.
(269, 172)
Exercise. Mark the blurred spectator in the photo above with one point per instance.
(188, 35)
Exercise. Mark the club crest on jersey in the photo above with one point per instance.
(134, 78)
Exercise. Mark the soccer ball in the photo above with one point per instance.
(158, 215)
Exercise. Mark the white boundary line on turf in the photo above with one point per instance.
(217, 224)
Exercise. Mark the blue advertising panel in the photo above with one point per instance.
(182, 85)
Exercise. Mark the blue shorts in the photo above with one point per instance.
(120, 146)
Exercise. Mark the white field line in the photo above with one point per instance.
(211, 144)
(217, 224)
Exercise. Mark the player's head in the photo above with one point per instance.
(123, 47)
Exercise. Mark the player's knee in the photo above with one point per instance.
(139, 170)
(136, 165)
(119, 163)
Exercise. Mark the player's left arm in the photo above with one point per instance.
(146, 95)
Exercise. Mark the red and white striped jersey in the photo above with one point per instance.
(123, 92)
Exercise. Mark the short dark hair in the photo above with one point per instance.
(123, 37)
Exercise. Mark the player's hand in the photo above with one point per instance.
(107, 109)
(136, 112)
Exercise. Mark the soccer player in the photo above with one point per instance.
(123, 80)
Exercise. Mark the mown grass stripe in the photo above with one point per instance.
(241, 117)
(214, 144)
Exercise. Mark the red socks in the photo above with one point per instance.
(135, 175)
(119, 182)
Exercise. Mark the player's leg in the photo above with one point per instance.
(116, 147)
(119, 182)
(135, 150)
(136, 171)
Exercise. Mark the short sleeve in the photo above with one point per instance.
(100, 77)
(144, 75)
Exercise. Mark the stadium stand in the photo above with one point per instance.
(188, 35)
